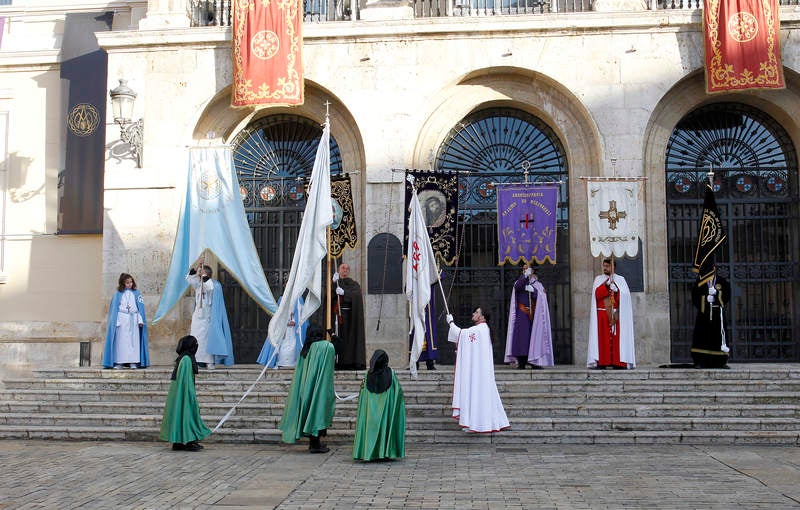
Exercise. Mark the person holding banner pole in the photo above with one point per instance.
(529, 340)
(611, 342)
(210, 319)
(349, 310)
(711, 298)
(476, 401)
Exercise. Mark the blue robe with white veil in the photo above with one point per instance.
(220, 343)
(111, 331)
(269, 355)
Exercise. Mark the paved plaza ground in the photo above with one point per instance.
(94, 475)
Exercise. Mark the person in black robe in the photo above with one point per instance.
(349, 309)
(712, 300)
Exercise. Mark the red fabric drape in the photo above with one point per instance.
(267, 53)
(742, 43)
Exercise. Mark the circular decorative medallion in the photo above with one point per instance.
(243, 192)
(265, 44)
(485, 189)
(744, 183)
(268, 193)
(683, 184)
(775, 184)
(742, 27)
(296, 191)
(83, 119)
(209, 186)
(338, 213)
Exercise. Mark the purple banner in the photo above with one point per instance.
(526, 223)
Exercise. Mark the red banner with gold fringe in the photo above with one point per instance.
(267, 53)
(742, 42)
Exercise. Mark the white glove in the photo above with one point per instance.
(712, 291)
(449, 319)
(614, 287)
(528, 272)
(336, 277)
(340, 291)
(529, 288)
(710, 298)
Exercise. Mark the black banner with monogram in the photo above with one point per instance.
(343, 229)
(438, 198)
(85, 68)
(710, 237)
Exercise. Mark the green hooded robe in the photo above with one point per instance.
(381, 424)
(311, 401)
(182, 422)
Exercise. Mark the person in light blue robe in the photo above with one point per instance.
(286, 355)
(210, 319)
(126, 331)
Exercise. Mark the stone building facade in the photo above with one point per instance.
(610, 83)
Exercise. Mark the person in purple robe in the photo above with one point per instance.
(529, 340)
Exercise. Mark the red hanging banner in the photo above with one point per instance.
(267, 53)
(742, 43)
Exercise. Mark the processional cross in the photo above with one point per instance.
(612, 215)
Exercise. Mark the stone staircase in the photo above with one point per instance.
(753, 404)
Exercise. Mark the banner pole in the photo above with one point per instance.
(328, 285)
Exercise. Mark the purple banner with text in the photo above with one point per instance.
(526, 223)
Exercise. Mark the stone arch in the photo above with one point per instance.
(562, 111)
(226, 121)
(683, 97)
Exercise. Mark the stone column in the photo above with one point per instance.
(165, 14)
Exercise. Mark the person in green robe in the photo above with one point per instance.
(182, 425)
(381, 422)
(311, 401)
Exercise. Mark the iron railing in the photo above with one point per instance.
(218, 12)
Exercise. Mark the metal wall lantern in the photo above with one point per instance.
(122, 99)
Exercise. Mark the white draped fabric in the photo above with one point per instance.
(476, 401)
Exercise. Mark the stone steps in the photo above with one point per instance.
(248, 408)
(753, 404)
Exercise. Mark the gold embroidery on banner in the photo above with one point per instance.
(722, 75)
(742, 27)
(83, 119)
(265, 44)
(289, 89)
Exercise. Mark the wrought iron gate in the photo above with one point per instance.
(488, 147)
(273, 157)
(756, 189)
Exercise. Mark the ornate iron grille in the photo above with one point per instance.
(273, 157)
(755, 183)
(489, 147)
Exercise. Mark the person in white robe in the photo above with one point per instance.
(476, 401)
(200, 280)
(126, 331)
(611, 337)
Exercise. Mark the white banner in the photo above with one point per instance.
(613, 217)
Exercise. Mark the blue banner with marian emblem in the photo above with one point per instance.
(213, 218)
(526, 223)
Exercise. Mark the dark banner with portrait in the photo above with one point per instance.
(343, 229)
(84, 68)
(438, 198)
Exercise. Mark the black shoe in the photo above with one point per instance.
(429, 365)
(176, 447)
(321, 449)
(195, 444)
(536, 367)
(192, 447)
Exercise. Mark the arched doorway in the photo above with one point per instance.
(487, 147)
(273, 156)
(756, 189)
